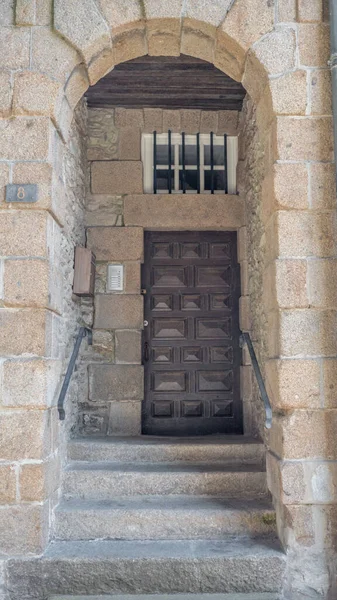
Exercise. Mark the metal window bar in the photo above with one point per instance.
(154, 162)
(246, 339)
(198, 163)
(170, 162)
(83, 332)
(225, 162)
(183, 162)
(212, 163)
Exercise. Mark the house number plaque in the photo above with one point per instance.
(21, 192)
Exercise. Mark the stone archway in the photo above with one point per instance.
(272, 57)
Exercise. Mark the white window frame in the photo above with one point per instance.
(176, 140)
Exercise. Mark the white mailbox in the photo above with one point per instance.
(115, 278)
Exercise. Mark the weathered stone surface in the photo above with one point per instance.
(208, 121)
(24, 233)
(291, 283)
(230, 566)
(307, 332)
(294, 195)
(128, 346)
(172, 120)
(306, 234)
(102, 134)
(7, 13)
(133, 117)
(322, 278)
(190, 121)
(83, 25)
(117, 177)
(32, 482)
(323, 187)
(5, 93)
(289, 93)
(4, 179)
(163, 36)
(26, 283)
(115, 382)
(25, 12)
(321, 95)
(130, 43)
(125, 418)
(43, 12)
(111, 243)
(293, 383)
(304, 139)
(14, 48)
(162, 10)
(33, 444)
(76, 86)
(23, 529)
(118, 311)
(7, 484)
(25, 331)
(229, 56)
(228, 121)
(183, 212)
(310, 11)
(52, 55)
(103, 346)
(211, 13)
(287, 11)
(330, 382)
(30, 382)
(153, 120)
(104, 210)
(314, 44)
(248, 20)
(25, 138)
(132, 277)
(276, 51)
(119, 12)
(129, 144)
(35, 94)
(198, 39)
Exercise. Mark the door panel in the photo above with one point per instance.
(191, 343)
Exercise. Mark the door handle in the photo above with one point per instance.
(146, 352)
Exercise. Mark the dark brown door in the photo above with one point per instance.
(191, 336)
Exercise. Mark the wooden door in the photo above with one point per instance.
(191, 348)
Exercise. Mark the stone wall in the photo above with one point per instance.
(116, 219)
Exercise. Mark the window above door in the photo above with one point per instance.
(181, 163)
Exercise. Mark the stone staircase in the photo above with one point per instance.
(160, 516)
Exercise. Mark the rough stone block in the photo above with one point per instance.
(153, 120)
(322, 278)
(188, 212)
(83, 25)
(308, 332)
(117, 177)
(198, 39)
(102, 141)
(129, 117)
(291, 186)
(304, 139)
(310, 11)
(25, 138)
(248, 20)
(129, 144)
(52, 55)
(4, 179)
(277, 51)
(23, 529)
(125, 418)
(314, 44)
(163, 36)
(130, 43)
(213, 13)
(43, 12)
(228, 122)
(294, 383)
(25, 12)
(171, 120)
(190, 121)
(329, 366)
(304, 234)
(209, 121)
(115, 382)
(128, 347)
(76, 86)
(7, 484)
(132, 277)
(103, 346)
(244, 313)
(26, 283)
(24, 233)
(112, 243)
(35, 94)
(7, 13)
(321, 94)
(5, 93)
(30, 382)
(289, 93)
(291, 283)
(24, 434)
(323, 186)
(14, 48)
(161, 10)
(120, 13)
(118, 311)
(25, 331)
(104, 210)
(229, 56)
(32, 482)
(287, 11)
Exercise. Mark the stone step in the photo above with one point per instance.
(162, 517)
(149, 567)
(258, 596)
(236, 449)
(104, 481)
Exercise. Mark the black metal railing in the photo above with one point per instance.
(170, 170)
(246, 339)
(83, 332)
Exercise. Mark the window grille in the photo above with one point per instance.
(180, 163)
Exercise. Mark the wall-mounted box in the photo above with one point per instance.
(84, 272)
(115, 278)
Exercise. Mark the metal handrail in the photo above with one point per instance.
(83, 332)
(246, 339)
